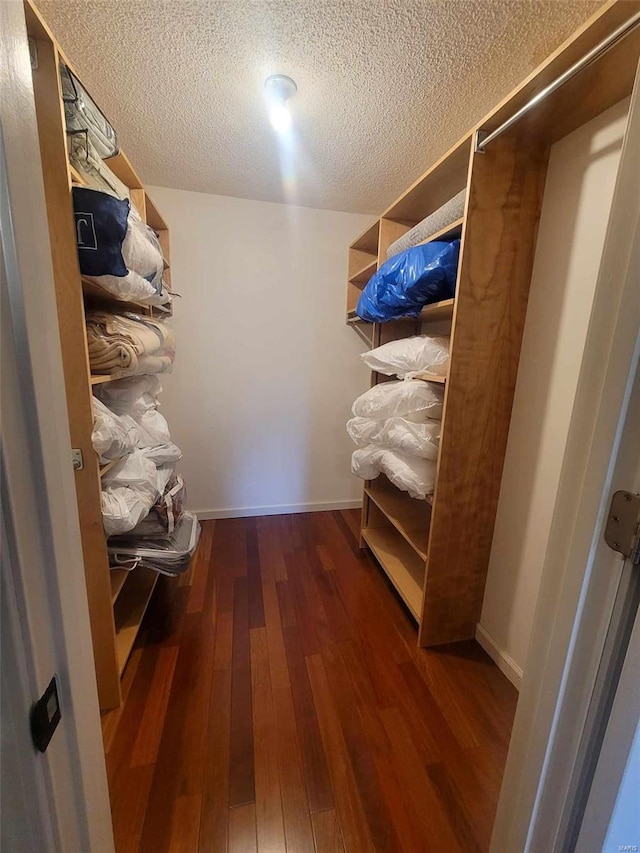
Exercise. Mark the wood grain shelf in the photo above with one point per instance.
(107, 466)
(430, 313)
(450, 231)
(362, 276)
(368, 240)
(118, 578)
(76, 176)
(404, 568)
(99, 297)
(409, 516)
(98, 379)
(431, 377)
(129, 610)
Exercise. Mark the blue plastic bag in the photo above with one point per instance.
(409, 281)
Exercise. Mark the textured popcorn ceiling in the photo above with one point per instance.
(384, 86)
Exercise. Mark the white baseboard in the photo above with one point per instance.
(283, 509)
(503, 661)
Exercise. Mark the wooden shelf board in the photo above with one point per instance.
(449, 231)
(117, 578)
(363, 275)
(409, 516)
(431, 377)
(437, 311)
(76, 176)
(106, 299)
(368, 240)
(404, 568)
(103, 377)
(129, 611)
(107, 466)
(446, 177)
(121, 166)
(154, 217)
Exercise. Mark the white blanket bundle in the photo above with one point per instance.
(396, 424)
(128, 344)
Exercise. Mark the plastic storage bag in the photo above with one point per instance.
(408, 473)
(164, 514)
(397, 434)
(83, 116)
(412, 399)
(409, 356)
(169, 556)
(116, 249)
(129, 490)
(439, 219)
(112, 436)
(407, 282)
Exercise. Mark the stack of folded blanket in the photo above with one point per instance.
(396, 424)
(128, 344)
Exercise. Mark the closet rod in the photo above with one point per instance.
(484, 138)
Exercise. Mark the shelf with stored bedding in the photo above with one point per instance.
(113, 632)
(439, 565)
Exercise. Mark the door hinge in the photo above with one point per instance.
(76, 459)
(622, 531)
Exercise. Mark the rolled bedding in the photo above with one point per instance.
(116, 249)
(86, 160)
(128, 344)
(408, 473)
(436, 221)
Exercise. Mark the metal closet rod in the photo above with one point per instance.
(484, 138)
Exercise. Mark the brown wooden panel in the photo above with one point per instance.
(185, 824)
(497, 252)
(66, 271)
(327, 833)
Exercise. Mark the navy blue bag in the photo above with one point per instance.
(409, 281)
(101, 226)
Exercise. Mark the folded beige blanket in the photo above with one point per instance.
(128, 344)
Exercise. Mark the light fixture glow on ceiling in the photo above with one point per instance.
(278, 89)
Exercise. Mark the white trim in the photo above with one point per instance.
(503, 661)
(282, 509)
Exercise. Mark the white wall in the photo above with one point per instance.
(266, 369)
(578, 193)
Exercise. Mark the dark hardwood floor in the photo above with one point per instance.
(277, 701)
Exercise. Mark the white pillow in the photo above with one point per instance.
(409, 356)
(397, 434)
(408, 473)
(112, 436)
(414, 399)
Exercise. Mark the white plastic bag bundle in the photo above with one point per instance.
(410, 356)
(413, 399)
(408, 473)
(397, 434)
(137, 396)
(129, 490)
(133, 396)
(112, 436)
(163, 454)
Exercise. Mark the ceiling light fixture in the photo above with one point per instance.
(278, 89)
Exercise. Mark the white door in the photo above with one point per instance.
(56, 800)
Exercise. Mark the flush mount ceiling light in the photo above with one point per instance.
(278, 89)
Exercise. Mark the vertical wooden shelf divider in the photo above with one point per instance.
(504, 189)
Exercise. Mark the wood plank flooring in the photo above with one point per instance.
(276, 702)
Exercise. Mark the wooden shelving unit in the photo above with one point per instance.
(437, 556)
(118, 599)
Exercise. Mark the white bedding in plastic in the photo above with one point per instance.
(410, 356)
(408, 473)
(413, 399)
(113, 436)
(129, 490)
(397, 434)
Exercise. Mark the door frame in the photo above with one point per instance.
(575, 602)
(42, 566)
